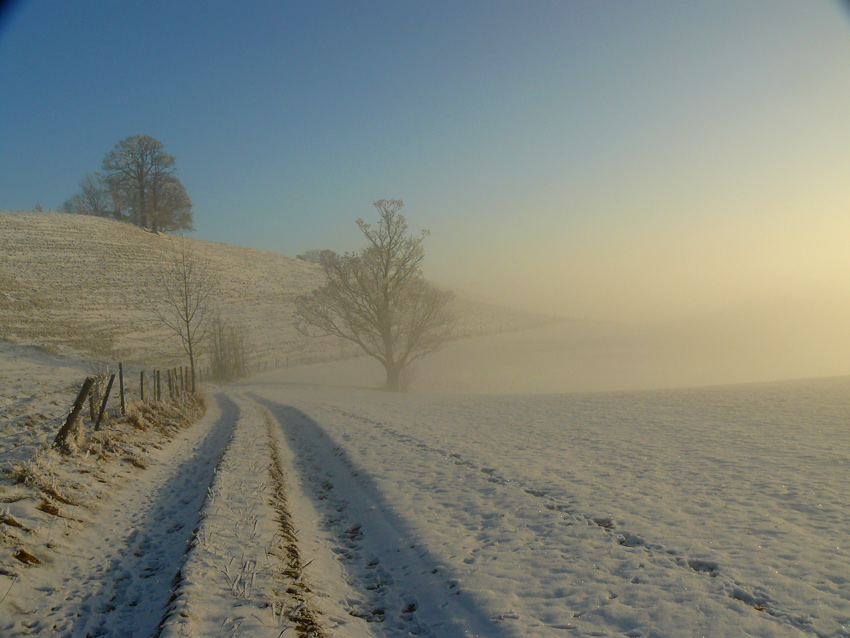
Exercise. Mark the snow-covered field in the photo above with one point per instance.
(719, 511)
(712, 512)
(514, 493)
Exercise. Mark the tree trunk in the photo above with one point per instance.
(393, 377)
(192, 365)
(69, 430)
(142, 199)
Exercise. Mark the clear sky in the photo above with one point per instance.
(595, 159)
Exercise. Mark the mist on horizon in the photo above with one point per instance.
(754, 288)
(685, 317)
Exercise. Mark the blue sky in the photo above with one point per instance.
(589, 158)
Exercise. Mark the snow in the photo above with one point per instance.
(718, 511)
(715, 511)
(227, 583)
(36, 390)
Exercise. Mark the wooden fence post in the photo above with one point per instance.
(67, 429)
(142, 385)
(158, 386)
(121, 388)
(103, 405)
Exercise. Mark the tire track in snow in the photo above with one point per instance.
(117, 577)
(755, 596)
(401, 589)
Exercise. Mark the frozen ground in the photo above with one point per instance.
(713, 512)
(304, 495)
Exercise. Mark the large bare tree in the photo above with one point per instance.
(184, 288)
(378, 298)
(141, 176)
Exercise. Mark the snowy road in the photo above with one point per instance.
(114, 578)
(389, 579)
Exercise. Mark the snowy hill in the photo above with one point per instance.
(79, 285)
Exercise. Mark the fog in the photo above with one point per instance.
(756, 294)
(742, 303)
(711, 309)
(590, 356)
(803, 338)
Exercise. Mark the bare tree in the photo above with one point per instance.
(316, 256)
(184, 286)
(95, 195)
(93, 198)
(141, 177)
(75, 205)
(228, 348)
(378, 298)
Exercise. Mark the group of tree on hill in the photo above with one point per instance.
(139, 184)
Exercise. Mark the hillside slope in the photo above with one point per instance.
(79, 285)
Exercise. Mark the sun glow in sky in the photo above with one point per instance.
(626, 160)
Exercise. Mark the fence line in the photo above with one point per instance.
(179, 388)
(178, 384)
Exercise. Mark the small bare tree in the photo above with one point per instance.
(184, 288)
(93, 199)
(228, 349)
(378, 298)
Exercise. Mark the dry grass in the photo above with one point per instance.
(302, 613)
(25, 557)
(65, 485)
(94, 293)
(48, 508)
(8, 519)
